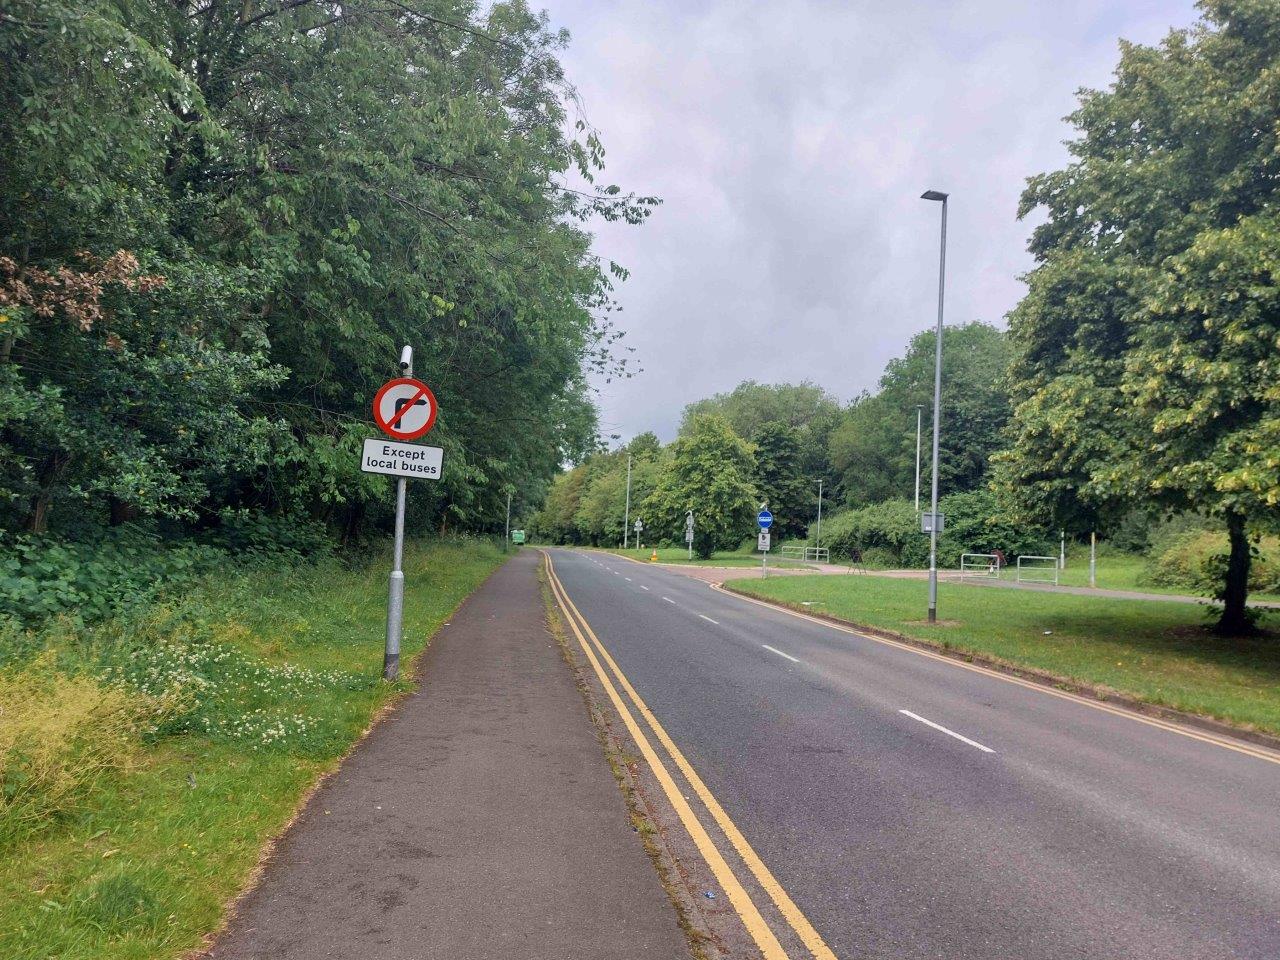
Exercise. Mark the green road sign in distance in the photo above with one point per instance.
(517, 536)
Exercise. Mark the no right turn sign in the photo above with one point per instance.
(405, 408)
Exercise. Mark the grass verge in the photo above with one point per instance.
(1121, 571)
(260, 684)
(1161, 653)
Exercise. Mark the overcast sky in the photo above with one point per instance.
(790, 142)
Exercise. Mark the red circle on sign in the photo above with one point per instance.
(389, 425)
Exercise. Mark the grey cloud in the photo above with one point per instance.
(790, 142)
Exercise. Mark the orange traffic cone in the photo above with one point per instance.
(654, 558)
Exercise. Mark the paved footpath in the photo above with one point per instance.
(480, 820)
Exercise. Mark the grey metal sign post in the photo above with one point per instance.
(506, 537)
(404, 409)
(688, 532)
(395, 596)
(819, 535)
(395, 593)
(1093, 559)
(765, 519)
(626, 513)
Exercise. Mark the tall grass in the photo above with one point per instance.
(59, 735)
(147, 758)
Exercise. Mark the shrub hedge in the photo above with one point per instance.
(888, 534)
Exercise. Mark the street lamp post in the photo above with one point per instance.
(937, 404)
(626, 516)
(819, 534)
(919, 411)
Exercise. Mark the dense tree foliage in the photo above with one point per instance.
(710, 473)
(1147, 350)
(791, 425)
(789, 429)
(873, 449)
(219, 221)
(781, 480)
(602, 506)
(751, 405)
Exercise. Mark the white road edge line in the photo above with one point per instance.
(949, 733)
(643, 587)
(628, 579)
(780, 653)
(708, 619)
(668, 599)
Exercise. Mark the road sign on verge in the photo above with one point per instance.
(762, 542)
(926, 522)
(765, 519)
(405, 408)
(517, 536)
(409, 460)
(639, 525)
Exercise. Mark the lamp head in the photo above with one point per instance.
(934, 195)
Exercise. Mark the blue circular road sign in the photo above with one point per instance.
(765, 519)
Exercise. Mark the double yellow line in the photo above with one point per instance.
(751, 917)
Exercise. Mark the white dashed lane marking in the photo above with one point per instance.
(780, 653)
(950, 733)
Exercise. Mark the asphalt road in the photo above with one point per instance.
(913, 808)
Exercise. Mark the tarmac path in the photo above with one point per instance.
(480, 820)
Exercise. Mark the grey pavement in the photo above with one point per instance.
(480, 820)
(914, 808)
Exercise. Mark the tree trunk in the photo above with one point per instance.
(50, 471)
(121, 512)
(1235, 621)
(352, 521)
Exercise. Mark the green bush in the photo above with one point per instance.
(43, 576)
(263, 535)
(1194, 560)
(888, 533)
(101, 574)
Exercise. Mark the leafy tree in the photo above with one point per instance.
(750, 405)
(603, 505)
(804, 407)
(317, 182)
(780, 482)
(557, 520)
(867, 454)
(711, 474)
(127, 366)
(1146, 358)
(873, 449)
